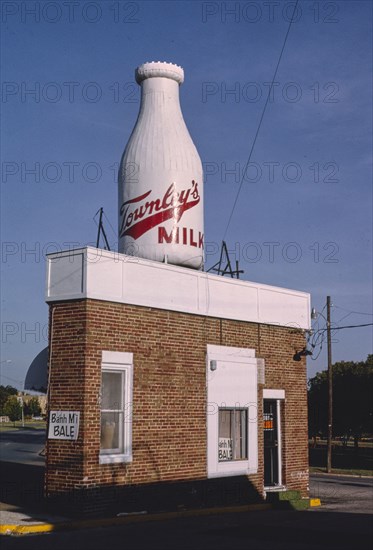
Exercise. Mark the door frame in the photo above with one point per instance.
(278, 396)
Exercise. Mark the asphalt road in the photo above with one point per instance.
(22, 446)
(343, 494)
(270, 530)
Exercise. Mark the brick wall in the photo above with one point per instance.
(169, 399)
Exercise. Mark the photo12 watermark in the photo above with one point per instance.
(66, 172)
(24, 332)
(271, 171)
(53, 13)
(37, 252)
(225, 92)
(250, 252)
(291, 252)
(256, 92)
(225, 172)
(250, 13)
(71, 91)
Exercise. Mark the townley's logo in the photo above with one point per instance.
(138, 219)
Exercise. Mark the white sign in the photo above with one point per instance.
(63, 425)
(225, 448)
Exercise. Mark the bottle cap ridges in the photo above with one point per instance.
(159, 69)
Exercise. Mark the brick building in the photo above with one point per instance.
(185, 385)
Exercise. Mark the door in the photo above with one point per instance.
(271, 443)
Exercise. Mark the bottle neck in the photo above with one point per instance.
(160, 93)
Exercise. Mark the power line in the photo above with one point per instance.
(355, 312)
(319, 336)
(260, 122)
(319, 353)
(347, 326)
(107, 219)
(351, 313)
(12, 379)
(352, 326)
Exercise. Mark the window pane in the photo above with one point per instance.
(225, 423)
(232, 434)
(112, 391)
(111, 431)
(244, 434)
(240, 429)
(225, 435)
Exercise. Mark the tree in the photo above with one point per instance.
(13, 408)
(5, 392)
(318, 405)
(32, 407)
(352, 400)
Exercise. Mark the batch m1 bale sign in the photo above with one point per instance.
(63, 425)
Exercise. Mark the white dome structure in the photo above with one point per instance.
(37, 374)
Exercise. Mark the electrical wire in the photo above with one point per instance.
(12, 379)
(350, 326)
(260, 122)
(318, 354)
(319, 337)
(350, 313)
(107, 219)
(354, 312)
(94, 217)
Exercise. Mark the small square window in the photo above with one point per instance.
(232, 442)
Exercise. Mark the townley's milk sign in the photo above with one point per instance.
(63, 425)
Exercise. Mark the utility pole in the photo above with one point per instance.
(330, 388)
(23, 413)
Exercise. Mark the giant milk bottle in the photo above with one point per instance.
(160, 176)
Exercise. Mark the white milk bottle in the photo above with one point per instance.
(160, 176)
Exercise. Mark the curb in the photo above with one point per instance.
(314, 502)
(340, 475)
(122, 520)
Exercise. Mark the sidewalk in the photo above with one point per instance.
(21, 500)
(19, 521)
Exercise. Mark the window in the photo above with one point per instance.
(116, 407)
(232, 434)
(112, 411)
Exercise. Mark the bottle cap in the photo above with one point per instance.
(159, 69)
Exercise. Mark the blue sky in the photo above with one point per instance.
(69, 102)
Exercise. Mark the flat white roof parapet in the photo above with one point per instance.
(103, 275)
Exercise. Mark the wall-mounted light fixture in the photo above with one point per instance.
(303, 353)
(213, 364)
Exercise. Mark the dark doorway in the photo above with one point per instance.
(271, 446)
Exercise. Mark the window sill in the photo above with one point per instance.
(226, 472)
(115, 459)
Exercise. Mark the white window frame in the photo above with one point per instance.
(114, 361)
(232, 382)
(233, 439)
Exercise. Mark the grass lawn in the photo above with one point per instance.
(345, 459)
(29, 425)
